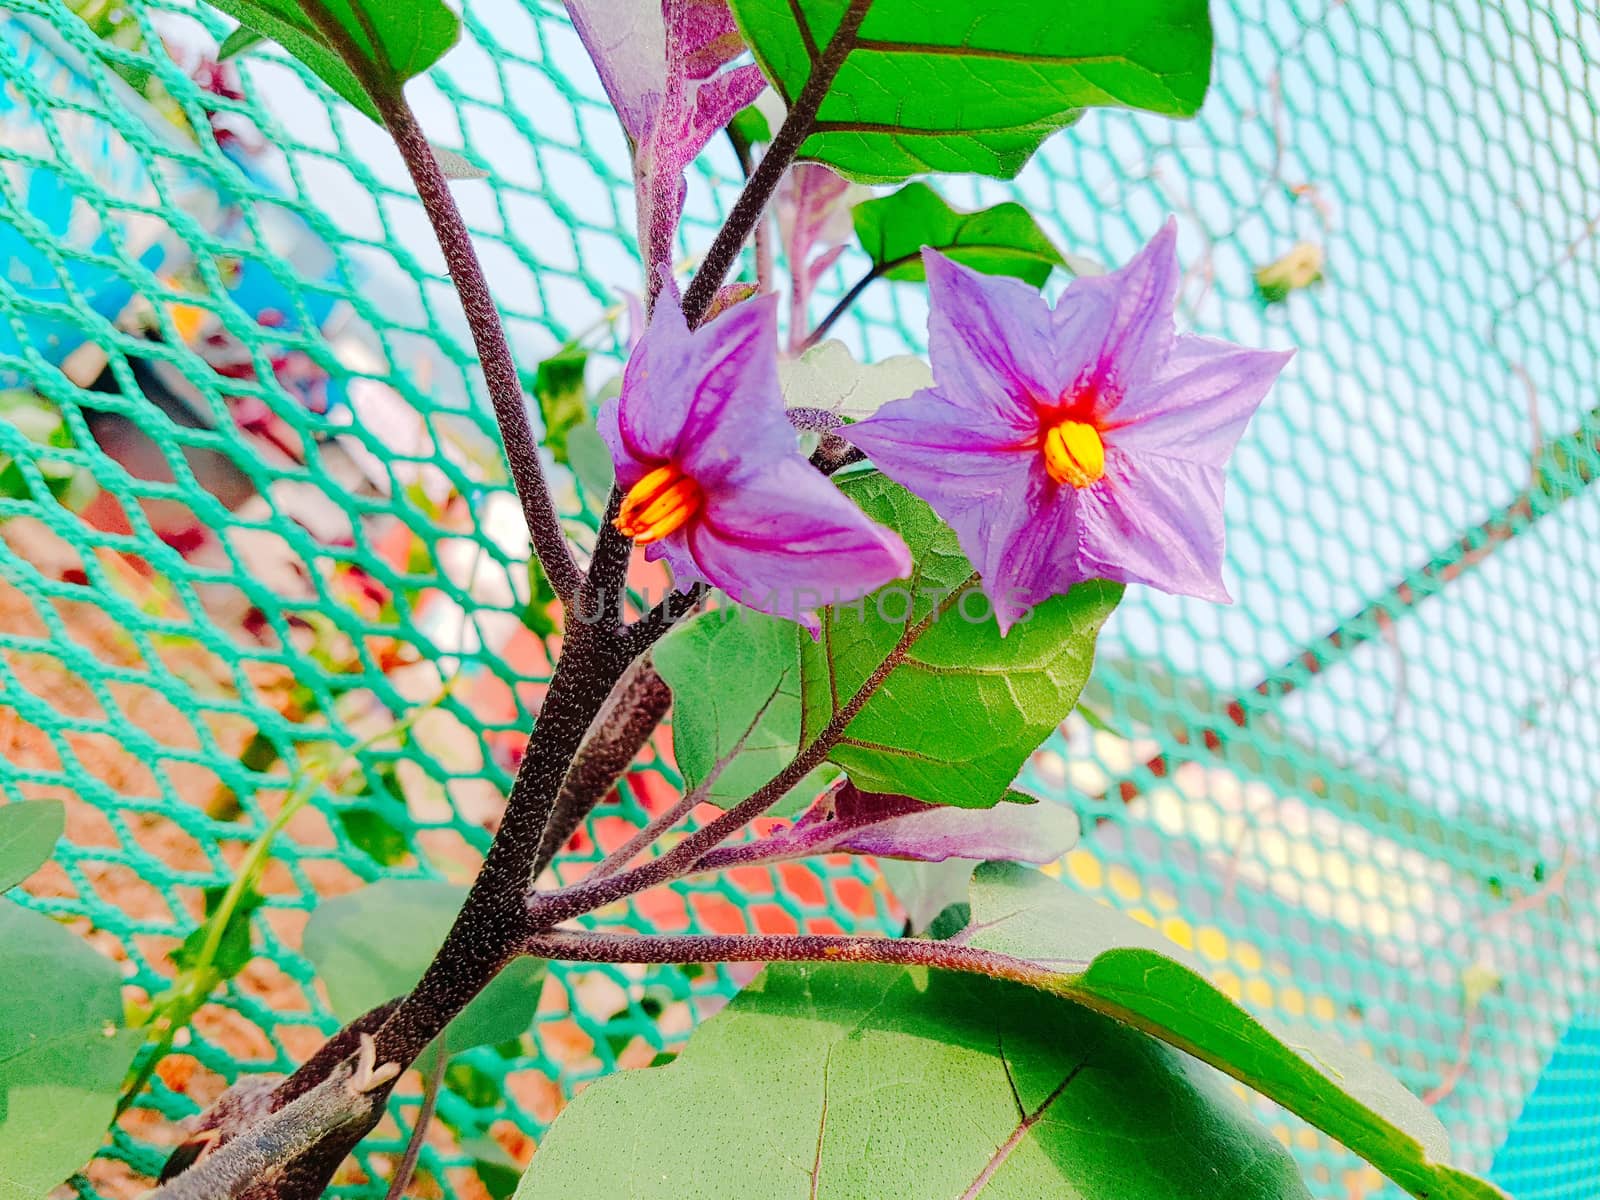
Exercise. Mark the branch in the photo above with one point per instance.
(650, 628)
(419, 1131)
(666, 819)
(548, 909)
(261, 1151)
(845, 301)
(574, 946)
(621, 730)
(494, 354)
(752, 202)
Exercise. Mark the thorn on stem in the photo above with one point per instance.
(369, 1077)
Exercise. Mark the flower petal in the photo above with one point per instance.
(735, 421)
(708, 400)
(990, 344)
(1025, 550)
(1156, 521)
(928, 441)
(1127, 312)
(641, 425)
(992, 491)
(1197, 405)
(788, 542)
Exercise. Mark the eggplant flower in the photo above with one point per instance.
(1084, 442)
(713, 476)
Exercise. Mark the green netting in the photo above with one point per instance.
(251, 513)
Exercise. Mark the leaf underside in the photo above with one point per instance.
(410, 36)
(835, 1082)
(975, 85)
(958, 720)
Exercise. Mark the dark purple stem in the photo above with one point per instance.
(551, 908)
(494, 353)
(758, 189)
(574, 946)
(845, 302)
(619, 733)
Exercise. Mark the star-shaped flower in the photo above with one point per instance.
(714, 478)
(1084, 442)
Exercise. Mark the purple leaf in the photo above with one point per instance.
(661, 62)
(813, 206)
(850, 821)
(627, 39)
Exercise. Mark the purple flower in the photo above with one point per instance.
(714, 477)
(1081, 443)
(661, 62)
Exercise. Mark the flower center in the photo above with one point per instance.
(659, 504)
(1074, 453)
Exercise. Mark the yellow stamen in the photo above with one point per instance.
(659, 504)
(1074, 453)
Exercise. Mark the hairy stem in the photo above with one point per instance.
(621, 730)
(257, 1156)
(479, 943)
(575, 946)
(494, 353)
(552, 908)
(786, 143)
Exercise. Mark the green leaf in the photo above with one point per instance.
(408, 37)
(241, 39)
(375, 835)
(837, 1082)
(373, 944)
(1003, 240)
(973, 85)
(750, 125)
(62, 1055)
(828, 377)
(1130, 972)
(536, 614)
(957, 721)
(233, 947)
(563, 399)
(591, 463)
(29, 830)
(723, 667)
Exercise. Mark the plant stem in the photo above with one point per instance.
(620, 731)
(845, 301)
(668, 818)
(479, 942)
(786, 143)
(258, 1155)
(549, 909)
(488, 334)
(576, 946)
(419, 1132)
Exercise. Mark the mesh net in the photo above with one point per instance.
(252, 513)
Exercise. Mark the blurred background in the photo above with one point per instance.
(253, 515)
